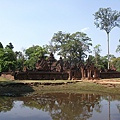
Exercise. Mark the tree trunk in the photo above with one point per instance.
(108, 51)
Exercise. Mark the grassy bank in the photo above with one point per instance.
(78, 87)
(48, 86)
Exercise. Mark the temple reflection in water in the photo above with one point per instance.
(63, 106)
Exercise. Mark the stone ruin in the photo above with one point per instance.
(52, 69)
(49, 65)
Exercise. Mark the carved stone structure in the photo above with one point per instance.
(90, 71)
(42, 65)
(84, 71)
(58, 69)
(49, 69)
(51, 64)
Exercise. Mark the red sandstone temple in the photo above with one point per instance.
(52, 69)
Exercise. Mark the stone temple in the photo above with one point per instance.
(52, 69)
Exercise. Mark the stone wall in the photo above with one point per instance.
(8, 75)
(107, 75)
(41, 75)
(52, 75)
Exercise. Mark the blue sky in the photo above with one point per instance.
(33, 22)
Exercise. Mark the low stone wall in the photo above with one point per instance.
(31, 75)
(41, 76)
(8, 75)
(107, 75)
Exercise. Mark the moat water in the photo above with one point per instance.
(60, 106)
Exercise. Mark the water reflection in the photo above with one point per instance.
(6, 104)
(60, 106)
(65, 106)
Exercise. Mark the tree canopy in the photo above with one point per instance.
(72, 47)
(106, 19)
(7, 59)
(32, 54)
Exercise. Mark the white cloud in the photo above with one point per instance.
(85, 29)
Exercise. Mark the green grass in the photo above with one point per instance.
(49, 86)
(78, 87)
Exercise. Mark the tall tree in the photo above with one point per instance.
(106, 19)
(72, 47)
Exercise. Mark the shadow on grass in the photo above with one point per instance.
(15, 89)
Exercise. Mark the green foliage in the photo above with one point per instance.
(20, 60)
(97, 51)
(7, 60)
(1, 46)
(32, 54)
(116, 63)
(101, 63)
(106, 19)
(11, 61)
(1, 58)
(1, 61)
(35, 51)
(10, 46)
(71, 47)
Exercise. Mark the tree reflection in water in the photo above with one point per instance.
(66, 106)
(61, 106)
(6, 104)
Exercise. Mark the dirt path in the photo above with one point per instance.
(107, 82)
